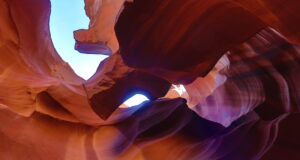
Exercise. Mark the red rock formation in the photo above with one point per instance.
(48, 112)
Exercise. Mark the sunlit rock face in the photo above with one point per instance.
(233, 64)
(103, 15)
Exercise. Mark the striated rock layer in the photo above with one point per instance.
(240, 78)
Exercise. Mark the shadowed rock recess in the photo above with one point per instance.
(221, 75)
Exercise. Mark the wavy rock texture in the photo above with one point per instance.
(246, 107)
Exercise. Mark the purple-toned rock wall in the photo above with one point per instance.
(237, 63)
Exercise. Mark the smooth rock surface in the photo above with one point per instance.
(250, 109)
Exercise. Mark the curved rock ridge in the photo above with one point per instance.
(239, 100)
(33, 76)
(227, 23)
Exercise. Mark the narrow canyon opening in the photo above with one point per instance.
(64, 20)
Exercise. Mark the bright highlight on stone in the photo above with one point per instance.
(135, 100)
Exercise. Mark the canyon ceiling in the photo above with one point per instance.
(238, 61)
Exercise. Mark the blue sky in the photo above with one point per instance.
(66, 17)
